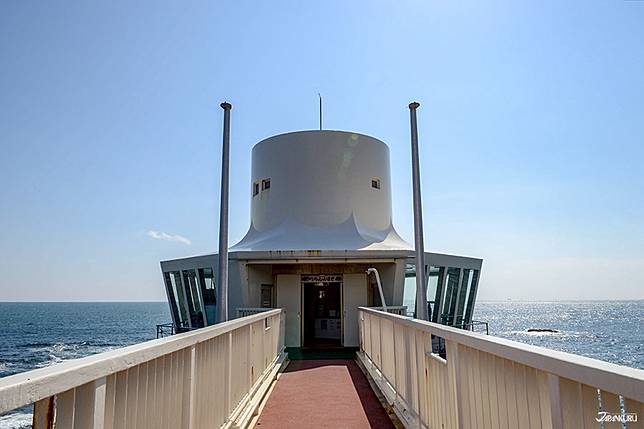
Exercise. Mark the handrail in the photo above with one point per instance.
(394, 309)
(382, 294)
(470, 326)
(177, 358)
(247, 311)
(399, 351)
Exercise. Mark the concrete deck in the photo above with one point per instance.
(323, 394)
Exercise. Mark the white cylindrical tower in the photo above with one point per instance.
(321, 190)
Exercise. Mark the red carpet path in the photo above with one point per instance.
(323, 394)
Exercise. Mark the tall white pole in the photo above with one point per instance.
(222, 272)
(320, 96)
(421, 285)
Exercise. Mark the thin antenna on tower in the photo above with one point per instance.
(320, 96)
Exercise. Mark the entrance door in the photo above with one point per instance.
(322, 306)
(289, 298)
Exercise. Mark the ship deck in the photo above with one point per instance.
(328, 393)
(232, 375)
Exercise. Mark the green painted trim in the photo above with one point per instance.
(297, 353)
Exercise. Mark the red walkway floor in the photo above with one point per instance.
(323, 394)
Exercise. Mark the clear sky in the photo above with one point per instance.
(531, 132)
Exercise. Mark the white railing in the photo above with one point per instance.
(489, 382)
(243, 312)
(393, 309)
(206, 378)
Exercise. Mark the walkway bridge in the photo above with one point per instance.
(236, 375)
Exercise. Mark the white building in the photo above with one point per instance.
(320, 217)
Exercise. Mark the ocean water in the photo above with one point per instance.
(612, 331)
(36, 335)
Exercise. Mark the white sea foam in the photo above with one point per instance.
(17, 420)
(534, 333)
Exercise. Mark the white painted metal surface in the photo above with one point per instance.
(375, 272)
(202, 379)
(222, 273)
(419, 246)
(489, 382)
(394, 309)
(321, 194)
(243, 312)
(354, 295)
(289, 298)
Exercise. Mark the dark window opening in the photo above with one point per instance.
(375, 183)
(193, 298)
(255, 188)
(266, 184)
(267, 296)
(178, 301)
(438, 346)
(207, 282)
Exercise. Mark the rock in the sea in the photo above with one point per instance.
(554, 331)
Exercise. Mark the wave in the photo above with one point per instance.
(16, 420)
(71, 344)
(561, 334)
(42, 355)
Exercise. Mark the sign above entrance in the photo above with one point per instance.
(322, 278)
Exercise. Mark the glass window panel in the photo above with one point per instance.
(471, 296)
(451, 289)
(466, 283)
(173, 282)
(172, 298)
(409, 294)
(209, 293)
(432, 288)
(193, 298)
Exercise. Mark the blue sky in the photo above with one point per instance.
(531, 132)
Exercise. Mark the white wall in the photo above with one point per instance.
(289, 297)
(320, 194)
(258, 275)
(354, 295)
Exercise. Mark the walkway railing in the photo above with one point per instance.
(472, 326)
(394, 309)
(201, 379)
(243, 312)
(489, 382)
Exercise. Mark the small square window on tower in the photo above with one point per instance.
(266, 184)
(255, 188)
(375, 183)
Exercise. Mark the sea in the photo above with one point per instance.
(36, 335)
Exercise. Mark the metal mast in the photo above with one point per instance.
(222, 272)
(421, 284)
(320, 96)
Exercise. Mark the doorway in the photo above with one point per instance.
(322, 310)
